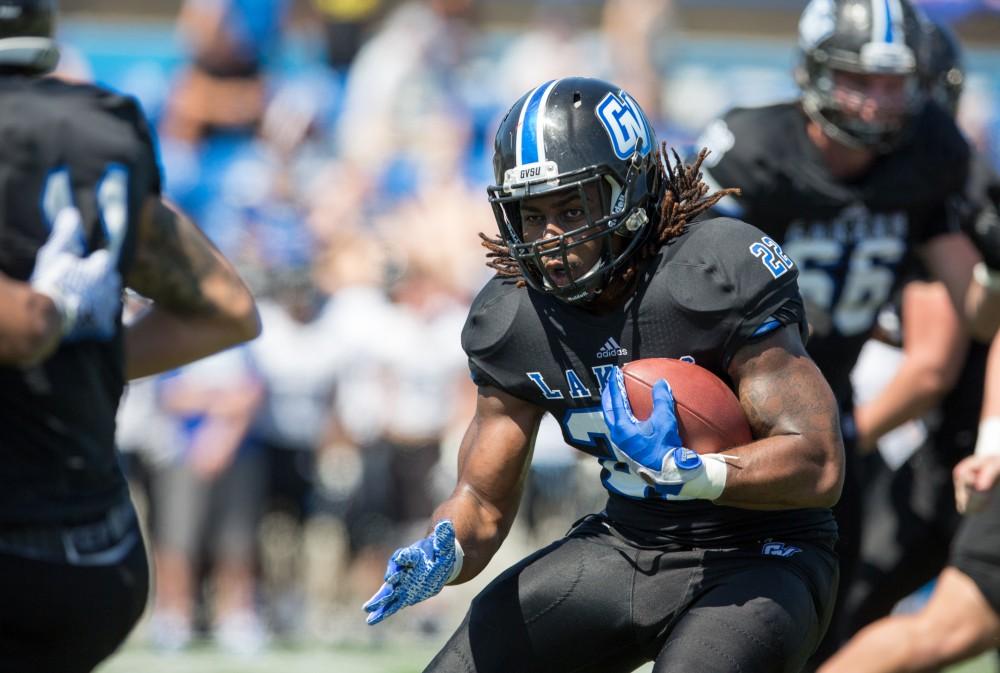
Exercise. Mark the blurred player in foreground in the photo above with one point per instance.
(81, 216)
(707, 560)
(962, 618)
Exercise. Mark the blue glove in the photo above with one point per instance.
(653, 448)
(86, 290)
(415, 573)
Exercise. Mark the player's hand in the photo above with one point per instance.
(985, 231)
(415, 573)
(975, 479)
(653, 448)
(86, 290)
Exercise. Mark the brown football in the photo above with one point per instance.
(709, 416)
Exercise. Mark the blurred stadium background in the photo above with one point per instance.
(338, 151)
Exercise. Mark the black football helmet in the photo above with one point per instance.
(865, 37)
(566, 134)
(26, 28)
(941, 72)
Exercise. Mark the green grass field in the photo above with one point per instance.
(395, 658)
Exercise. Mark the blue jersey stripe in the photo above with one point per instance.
(768, 326)
(529, 130)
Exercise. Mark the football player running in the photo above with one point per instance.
(854, 178)
(707, 560)
(81, 216)
(962, 617)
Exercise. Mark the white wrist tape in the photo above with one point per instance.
(457, 568)
(715, 476)
(706, 482)
(988, 441)
(987, 277)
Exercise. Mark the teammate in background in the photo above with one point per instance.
(909, 517)
(706, 561)
(854, 178)
(962, 617)
(81, 214)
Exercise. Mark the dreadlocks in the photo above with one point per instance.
(685, 197)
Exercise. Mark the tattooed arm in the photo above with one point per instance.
(797, 459)
(200, 304)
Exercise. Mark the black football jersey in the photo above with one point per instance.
(707, 293)
(849, 238)
(66, 144)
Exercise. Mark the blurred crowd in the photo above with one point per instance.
(349, 190)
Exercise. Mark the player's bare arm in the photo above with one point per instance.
(935, 344)
(30, 325)
(492, 463)
(798, 458)
(201, 305)
(952, 259)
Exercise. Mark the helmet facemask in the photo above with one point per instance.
(613, 213)
(835, 95)
(859, 70)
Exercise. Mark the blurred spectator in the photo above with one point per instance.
(346, 25)
(209, 495)
(418, 386)
(223, 87)
(553, 44)
(384, 89)
(298, 357)
(636, 31)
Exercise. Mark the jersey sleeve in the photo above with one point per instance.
(486, 331)
(739, 279)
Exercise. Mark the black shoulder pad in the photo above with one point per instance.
(746, 149)
(491, 317)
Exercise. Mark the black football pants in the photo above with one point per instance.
(595, 602)
(61, 617)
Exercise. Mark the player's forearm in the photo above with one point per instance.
(982, 311)
(786, 472)
(914, 391)
(798, 459)
(160, 340)
(479, 527)
(30, 325)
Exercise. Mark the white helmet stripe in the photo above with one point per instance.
(898, 24)
(529, 144)
(540, 121)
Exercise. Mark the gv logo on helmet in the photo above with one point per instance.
(622, 119)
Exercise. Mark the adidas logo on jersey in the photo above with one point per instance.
(611, 349)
